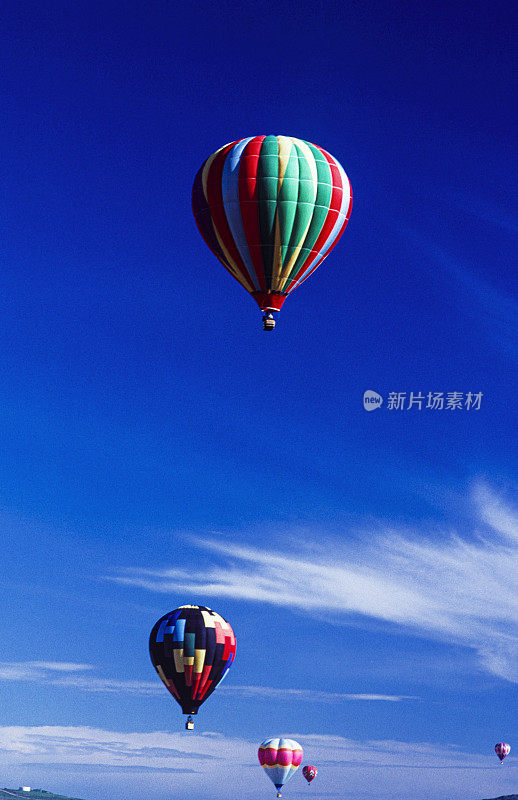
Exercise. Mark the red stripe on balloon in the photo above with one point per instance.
(330, 249)
(247, 183)
(205, 690)
(172, 689)
(203, 218)
(217, 209)
(226, 648)
(203, 680)
(197, 682)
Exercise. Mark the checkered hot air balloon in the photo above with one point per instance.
(271, 208)
(502, 750)
(280, 758)
(192, 649)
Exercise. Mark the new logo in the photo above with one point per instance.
(371, 400)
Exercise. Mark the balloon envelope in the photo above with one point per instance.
(309, 772)
(271, 208)
(280, 758)
(192, 649)
(502, 750)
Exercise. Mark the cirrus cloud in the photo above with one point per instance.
(64, 674)
(450, 588)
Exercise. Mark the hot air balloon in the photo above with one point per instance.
(309, 772)
(271, 208)
(502, 750)
(192, 649)
(280, 758)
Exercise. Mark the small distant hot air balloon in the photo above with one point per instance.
(192, 649)
(502, 750)
(309, 772)
(271, 208)
(280, 758)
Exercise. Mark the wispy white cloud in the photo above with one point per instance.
(36, 670)
(310, 696)
(66, 675)
(495, 512)
(159, 764)
(159, 749)
(95, 746)
(451, 588)
(56, 673)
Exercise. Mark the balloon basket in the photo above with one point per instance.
(189, 725)
(268, 322)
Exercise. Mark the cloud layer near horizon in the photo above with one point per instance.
(161, 750)
(162, 764)
(449, 588)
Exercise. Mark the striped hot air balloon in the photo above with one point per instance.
(192, 649)
(280, 758)
(271, 208)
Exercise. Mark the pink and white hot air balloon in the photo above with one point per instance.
(502, 750)
(280, 758)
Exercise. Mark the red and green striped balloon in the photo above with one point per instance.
(271, 208)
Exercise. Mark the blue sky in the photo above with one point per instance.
(158, 448)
